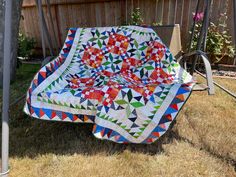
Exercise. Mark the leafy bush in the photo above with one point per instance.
(136, 17)
(26, 46)
(156, 23)
(219, 42)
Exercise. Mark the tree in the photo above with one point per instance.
(16, 14)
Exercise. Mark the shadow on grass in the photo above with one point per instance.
(32, 137)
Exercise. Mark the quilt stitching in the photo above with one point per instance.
(122, 79)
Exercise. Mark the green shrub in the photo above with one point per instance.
(136, 17)
(219, 41)
(26, 46)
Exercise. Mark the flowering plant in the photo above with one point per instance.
(198, 17)
(219, 41)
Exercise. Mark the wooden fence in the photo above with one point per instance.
(90, 13)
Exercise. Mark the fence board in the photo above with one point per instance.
(172, 4)
(179, 12)
(165, 15)
(160, 11)
(89, 13)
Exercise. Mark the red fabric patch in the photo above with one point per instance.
(155, 51)
(92, 57)
(117, 44)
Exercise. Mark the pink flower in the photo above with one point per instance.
(198, 17)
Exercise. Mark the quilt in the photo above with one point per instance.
(122, 79)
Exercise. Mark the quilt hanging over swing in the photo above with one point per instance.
(124, 80)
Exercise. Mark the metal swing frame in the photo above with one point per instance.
(6, 69)
(199, 52)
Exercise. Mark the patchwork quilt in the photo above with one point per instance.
(123, 79)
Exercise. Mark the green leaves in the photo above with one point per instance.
(219, 42)
(136, 17)
(26, 46)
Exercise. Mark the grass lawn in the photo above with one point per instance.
(202, 142)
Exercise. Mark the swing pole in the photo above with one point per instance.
(207, 20)
(193, 28)
(203, 33)
(6, 87)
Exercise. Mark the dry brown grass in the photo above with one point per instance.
(202, 143)
(227, 83)
(177, 159)
(210, 121)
